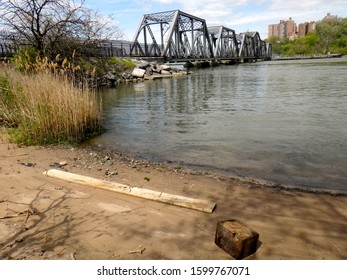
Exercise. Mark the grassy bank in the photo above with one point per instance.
(45, 107)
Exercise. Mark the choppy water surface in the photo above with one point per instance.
(285, 122)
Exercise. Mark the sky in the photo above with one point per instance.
(240, 15)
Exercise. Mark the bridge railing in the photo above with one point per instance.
(7, 50)
(246, 49)
(7, 47)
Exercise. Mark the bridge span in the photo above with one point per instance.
(178, 36)
(175, 36)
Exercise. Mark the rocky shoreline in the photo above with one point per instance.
(144, 70)
(152, 70)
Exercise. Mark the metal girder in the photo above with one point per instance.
(251, 46)
(268, 51)
(246, 46)
(180, 35)
(224, 42)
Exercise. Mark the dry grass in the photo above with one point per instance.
(46, 106)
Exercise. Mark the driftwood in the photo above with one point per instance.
(177, 200)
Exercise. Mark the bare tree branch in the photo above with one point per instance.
(54, 26)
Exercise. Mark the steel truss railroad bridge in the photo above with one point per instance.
(178, 36)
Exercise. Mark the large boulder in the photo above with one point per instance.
(138, 73)
(165, 67)
(144, 65)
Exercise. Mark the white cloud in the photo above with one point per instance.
(240, 15)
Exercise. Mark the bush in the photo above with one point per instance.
(43, 107)
(25, 59)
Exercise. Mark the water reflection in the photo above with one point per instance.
(280, 121)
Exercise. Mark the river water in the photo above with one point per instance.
(282, 122)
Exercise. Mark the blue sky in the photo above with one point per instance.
(240, 15)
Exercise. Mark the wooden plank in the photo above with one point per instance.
(172, 199)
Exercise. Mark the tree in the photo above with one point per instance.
(55, 26)
(277, 47)
(328, 32)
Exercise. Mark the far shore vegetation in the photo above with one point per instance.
(330, 37)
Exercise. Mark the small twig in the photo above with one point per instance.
(27, 217)
(73, 256)
(27, 212)
(61, 251)
(9, 217)
(18, 155)
(139, 251)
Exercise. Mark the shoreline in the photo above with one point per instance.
(303, 57)
(215, 172)
(46, 218)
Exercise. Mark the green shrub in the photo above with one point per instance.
(128, 64)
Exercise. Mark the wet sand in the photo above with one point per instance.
(46, 218)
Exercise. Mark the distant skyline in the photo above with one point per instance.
(241, 15)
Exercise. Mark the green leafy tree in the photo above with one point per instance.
(277, 47)
(327, 32)
(311, 40)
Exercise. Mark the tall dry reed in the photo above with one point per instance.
(47, 106)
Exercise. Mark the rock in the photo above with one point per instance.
(165, 67)
(144, 65)
(138, 73)
(165, 72)
(149, 71)
(155, 68)
(58, 164)
(110, 76)
(110, 79)
(28, 164)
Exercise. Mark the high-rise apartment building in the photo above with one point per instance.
(330, 17)
(305, 28)
(284, 29)
(288, 29)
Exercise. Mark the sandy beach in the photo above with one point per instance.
(47, 218)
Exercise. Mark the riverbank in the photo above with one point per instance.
(45, 218)
(301, 57)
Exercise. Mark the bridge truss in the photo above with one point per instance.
(175, 35)
(178, 36)
(252, 47)
(224, 42)
(172, 34)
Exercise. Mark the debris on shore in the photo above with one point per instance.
(145, 70)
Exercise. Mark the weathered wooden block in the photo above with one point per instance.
(236, 238)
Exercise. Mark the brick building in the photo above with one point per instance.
(284, 29)
(330, 17)
(305, 28)
(288, 29)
